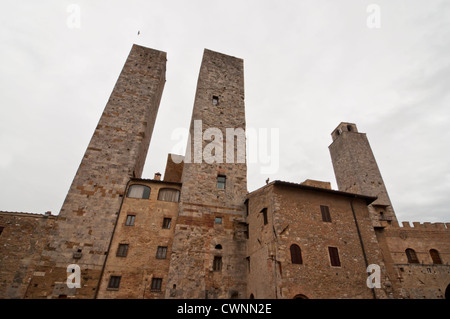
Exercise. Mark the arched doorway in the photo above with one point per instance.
(300, 296)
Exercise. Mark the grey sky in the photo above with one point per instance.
(308, 66)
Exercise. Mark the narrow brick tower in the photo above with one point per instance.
(357, 171)
(209, 248)
(116, 152)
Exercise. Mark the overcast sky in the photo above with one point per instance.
(309, 65)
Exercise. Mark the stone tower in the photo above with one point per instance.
(209, 248)
(356, 170)
(116, 153)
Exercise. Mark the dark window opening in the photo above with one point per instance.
(218, 220)
(156, 284)
(161, 253)
(296, 254)
(221, 181)
(349, 128)
(122, 251)
(215, 100)
(334, 256)
(219, 246)
(412, 257)
(166, 223)
(1, 229)
(326, 217)
(435, 257)
(139, 191)
(114, 282)
(217, 263)
(130, 220)
(264, 212)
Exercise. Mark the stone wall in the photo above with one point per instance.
(115, 153)
(22, 238)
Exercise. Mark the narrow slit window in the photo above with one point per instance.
(334, 256)
(264, 213)
(215, 100)
(166, 223)
(221, 181)
(325, 210)
(217, 263)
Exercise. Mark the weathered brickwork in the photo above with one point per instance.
(144, 235)
(115, 153)
(198, 233)
(293, 217)
(219, 105)
(356, 170)
(22, 238)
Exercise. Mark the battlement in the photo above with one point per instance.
(421, 226)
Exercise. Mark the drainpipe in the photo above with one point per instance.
(362, 243)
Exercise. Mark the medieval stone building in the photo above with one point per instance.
(197, 232)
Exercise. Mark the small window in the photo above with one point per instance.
(156, 284)
(169, 195)
(219, 246)
(1, 229)
(296, 254)
(161, 253)
(130, 220)
(122, 251)
(139, 191)
(215, 100)
(217, 264)
(412, 257)
(221, 181)
(264, 212)
(435, 257)
(166, 223)
(326, 217)
(218, 220)
(334, 256)
(349, 128)
(114, 282)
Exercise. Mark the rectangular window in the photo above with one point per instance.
(215, 100)
(334, 256)
(326, 217)
(114, 282)
(130, 220)
(218, 220)
(161, 253)
(217, 264)
(122, 251)
(221, 181)
(166, 223)
(264, 212)
(156, 284)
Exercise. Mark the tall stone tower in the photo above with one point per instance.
(356, 170)
(209, 248)
(116, 153)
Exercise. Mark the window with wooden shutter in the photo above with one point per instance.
(412, 257)
(435, 256)
(334, 256)
(114, 282)
(161, 253)
(326, 217)
(122, 251)
(156, 284)
(217, 263)
(296, 254)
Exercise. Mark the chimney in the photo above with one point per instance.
(157, 176)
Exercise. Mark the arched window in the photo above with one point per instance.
(300, 296)
(252, 296)
(435, 256)
(412, 257)
(296, 254)
(139, 191)
(169, 195)
(219, 246)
